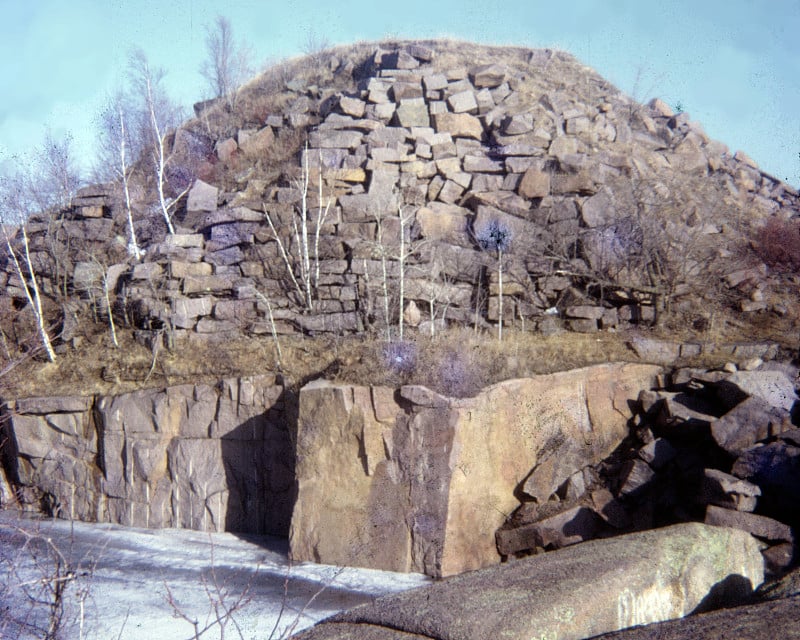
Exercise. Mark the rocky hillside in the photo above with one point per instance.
(409, 186)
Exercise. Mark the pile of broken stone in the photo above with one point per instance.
(715, 446)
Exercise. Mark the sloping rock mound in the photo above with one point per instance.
(616, 211)
(415, 481)
(573, 593)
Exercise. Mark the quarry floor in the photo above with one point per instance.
(139, 583)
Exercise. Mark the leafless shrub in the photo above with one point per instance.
(777, 243)
(225, 602)
(227, 63)
(54, 587)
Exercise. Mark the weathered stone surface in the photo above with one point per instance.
(458, 125)
(657, 453)
(351, 631)
(200, 456)
(654, 350)
(491, 76)
(256, 143)
(413, 112)
(419, 490)
(443, 222)
(598, 210)
(574, 525)
(202, 197)
(636, 476)
(463, 102)
(774, 387)
(147, 271)
(534, 184)
(750, 421)
(775, 468)
(724, 490)
(646, 577)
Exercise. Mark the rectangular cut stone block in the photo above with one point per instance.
(432, 495)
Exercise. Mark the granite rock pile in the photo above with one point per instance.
(720, 447)
(615, 210)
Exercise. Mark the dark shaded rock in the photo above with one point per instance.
(750, 421)
(683, 416)
(776, 619)
(636, 477)
(786, 587)
(657, 453)
(775, 468)
(574, 525)
(724, 490)
(759, 526)
(610, 509)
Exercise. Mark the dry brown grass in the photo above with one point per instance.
(458, 361)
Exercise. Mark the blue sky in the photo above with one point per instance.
(734, 65)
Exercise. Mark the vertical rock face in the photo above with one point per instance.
(214, 458)
(414, 481)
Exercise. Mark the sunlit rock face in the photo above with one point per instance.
(409, 480)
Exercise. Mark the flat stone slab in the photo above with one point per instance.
(575, 593)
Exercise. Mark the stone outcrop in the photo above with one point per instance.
(646, 577)
(409, 480)
(206, 457)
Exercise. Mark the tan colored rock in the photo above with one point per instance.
(425, 486)
(202, 197)
(226, 149)
(352, 106)
(412, 315)
(207, 457)
(458, 125)
(443, 222)
(256, 143)
(534, 184)
(491, 76)
(661, 108)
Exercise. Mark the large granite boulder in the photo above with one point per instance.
(414, 481)
(574, 593)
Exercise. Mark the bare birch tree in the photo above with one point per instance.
(157, 116)
(226, 65)
(116, 155)
(300, 252)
